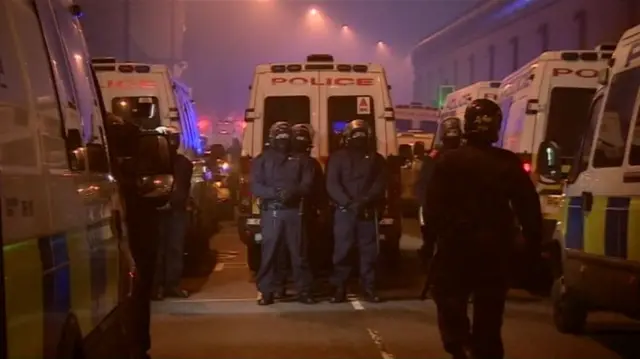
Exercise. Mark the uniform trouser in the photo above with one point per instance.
(143, 241)
(170, 259)
(349, 231)
(483, 336)
(283, 228)
(428, 242)
(282, 268)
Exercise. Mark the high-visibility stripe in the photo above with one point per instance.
(594, 227)
(56, 289)
(616, 227)
(574, 232)
(633, 230)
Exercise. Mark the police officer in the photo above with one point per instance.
(313, 205)
(356, 182)
(280, 181)
(141, 217)
(475, 195)
(450, 138)
(173, 226)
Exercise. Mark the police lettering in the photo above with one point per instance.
(584, 73)
(330, 81)
(144, 84)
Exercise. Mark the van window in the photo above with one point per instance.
(587, 141)
(403, 125)
(616, 119)
(292, 109)
(429, 126)
(142, 111)
(567, 117)
(342, 110)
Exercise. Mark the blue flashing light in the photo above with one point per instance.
(512, 8)
(338, 126)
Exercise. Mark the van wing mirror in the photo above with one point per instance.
(548, 161)
(154, 165)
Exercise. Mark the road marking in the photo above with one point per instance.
(356, 304)
(219, 267)
(377, 340)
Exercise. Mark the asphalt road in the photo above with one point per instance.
(221, 320)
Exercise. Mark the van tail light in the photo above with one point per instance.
(526, 166)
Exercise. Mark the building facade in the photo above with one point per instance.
(136, 30)
(500, 36)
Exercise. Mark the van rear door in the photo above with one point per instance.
(349, 96)
(290, 97)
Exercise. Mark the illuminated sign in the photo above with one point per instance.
(124, 84)
(329, 81)
(584, 73)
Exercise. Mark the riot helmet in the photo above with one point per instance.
(302, 138)
(451, 132)
(482, 122)
(357, 135)
(280, 136)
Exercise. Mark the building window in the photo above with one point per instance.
(492, 62)
(472, 69)
(580, 19)
(455, 72)
(543, 32)
(515, 52)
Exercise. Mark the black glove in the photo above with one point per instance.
(355, 206)
(283, 195)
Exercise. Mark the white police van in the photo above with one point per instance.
(328, 95)
(600, 266)
(147, 95)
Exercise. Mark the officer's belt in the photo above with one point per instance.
(273, 205)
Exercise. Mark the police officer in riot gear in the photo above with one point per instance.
(280, 181)
(475, 195)
(450, 138)
(356, 182)
(313, 205)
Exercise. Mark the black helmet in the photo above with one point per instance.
(302, 137)
(450, 128)
(280, 130)
(356, 129)
(482, 121)
(280, 135)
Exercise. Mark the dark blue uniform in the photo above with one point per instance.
(272, 173)
(355, 178)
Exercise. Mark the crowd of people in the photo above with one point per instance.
(475, 200)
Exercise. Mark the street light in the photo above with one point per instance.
(314, 12)
(345, 28)
(381, 44)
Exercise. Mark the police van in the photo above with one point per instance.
(147, 95)
(600, 268)
(456, 102)
(548, 99)
(64, 267)
(328, 95)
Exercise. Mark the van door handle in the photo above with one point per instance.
(587, 201)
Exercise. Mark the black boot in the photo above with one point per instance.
(371, 297)
(280, 294)
(339, 296)
(306, 298)
(266, 299)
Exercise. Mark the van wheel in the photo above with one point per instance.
(70, 344)
(569, 311)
